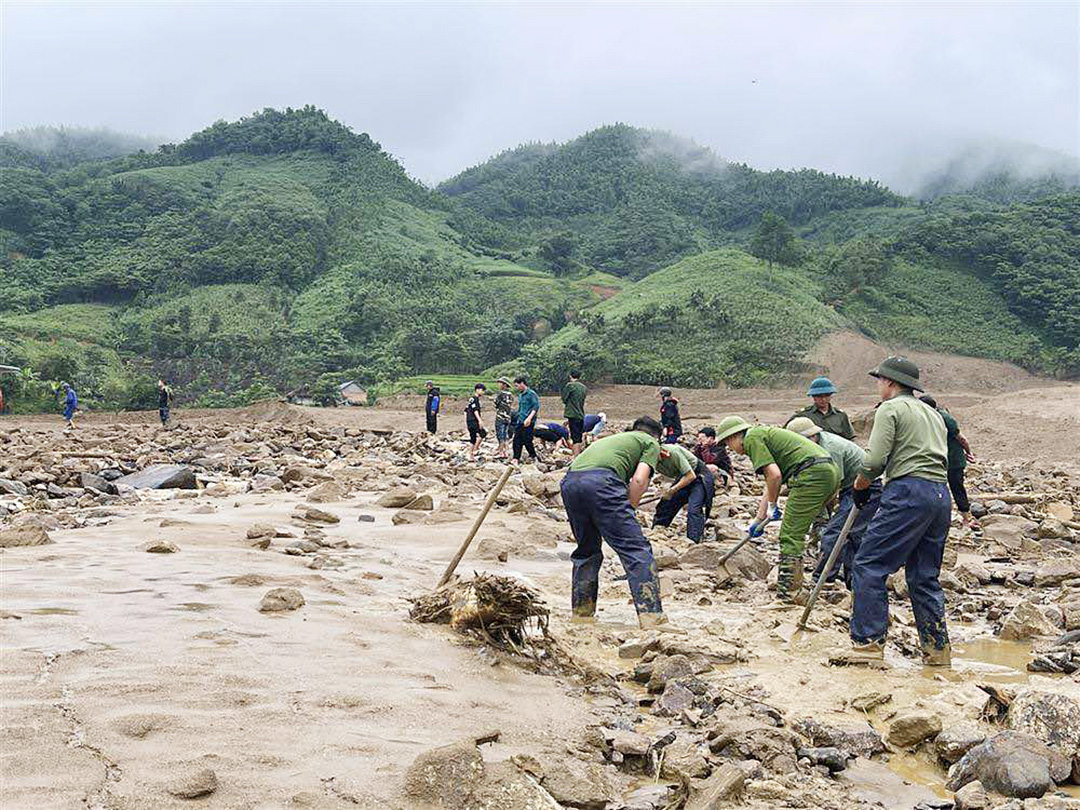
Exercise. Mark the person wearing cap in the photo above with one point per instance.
(693, 488)
(573, 397)
(959, 456)
(600, 492)
(822, 413)
(431, 407)
(504, 417)
(784, 457)
(595, 424)
(71, 405)
(908, 443)
(670, 421)
(849, 458)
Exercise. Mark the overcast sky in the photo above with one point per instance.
(853, 88)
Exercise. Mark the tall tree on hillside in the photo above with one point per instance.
(774, 242)
(558, 251)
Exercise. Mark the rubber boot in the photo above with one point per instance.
(799, 594)
(871, 654)
(933, 657)
(789, 578)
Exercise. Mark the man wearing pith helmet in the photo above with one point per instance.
(822, 413)
(908, 443)
(784, 457)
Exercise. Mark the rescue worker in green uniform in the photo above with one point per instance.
(822, 413)
(784, 457)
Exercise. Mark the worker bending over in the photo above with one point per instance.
(600, 492)
(784, 457)
(849, 458)
(693, 488)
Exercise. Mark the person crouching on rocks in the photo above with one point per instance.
(600, 492)
(785, 457)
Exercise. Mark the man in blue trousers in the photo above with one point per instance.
(907, 443)
(849, 458)
(600, 492)
(692, 487)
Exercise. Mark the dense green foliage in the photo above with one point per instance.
(286, 253)
(637, 200)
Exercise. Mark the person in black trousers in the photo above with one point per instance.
(431, 407)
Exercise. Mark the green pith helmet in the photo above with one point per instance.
(730, 425)
(900, 370)
(804, 426)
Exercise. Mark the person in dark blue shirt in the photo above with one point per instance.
(431, 407)
(71, 405)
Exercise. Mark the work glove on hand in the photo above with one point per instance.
(773, 512)
(756, 529)
(667, 494)
(860, 497)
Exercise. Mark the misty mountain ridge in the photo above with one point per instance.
(61, 146)
(284, 251)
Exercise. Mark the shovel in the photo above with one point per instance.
(834, 555)
(743, 542)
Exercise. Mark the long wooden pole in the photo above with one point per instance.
(449, 572)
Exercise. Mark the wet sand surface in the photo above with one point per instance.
(125, 670)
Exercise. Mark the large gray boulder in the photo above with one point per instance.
(1051, 717)
(1012, 764)
(444, 777)
(854, 739)
(160, 476)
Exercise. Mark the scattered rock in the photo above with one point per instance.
(971, 796)
(668, 667)
(955, 741)
(748, 564)
(315, 515)
(718, 791)
(1012, 764)
(504, 786)
(159, 547)
(421, 503)
(911, 728)
(26, 535)
(832, 758)
(405, 516)
(97, 483)
(444, 777)
(1026, 621)
(279, 599)
(326, 492)
(13, 487)
(396, 497)
(366, 518)
(160, 476)
(1055, 572)
(675, 699)
(193, 785)
(579, 784)
(854, 739)
(1050, 717)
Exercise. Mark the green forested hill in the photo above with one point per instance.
(284, 251)
(634, 200)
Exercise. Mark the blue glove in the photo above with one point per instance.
(757, 528)
(776, 513)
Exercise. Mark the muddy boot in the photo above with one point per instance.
(933, 657)
(789, 578)
(871, 654)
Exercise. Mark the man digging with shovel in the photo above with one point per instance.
(849, 458)
(784, 457)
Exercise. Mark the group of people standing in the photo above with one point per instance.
(517, 424)
(899, 490)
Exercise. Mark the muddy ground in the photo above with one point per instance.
(127, 674)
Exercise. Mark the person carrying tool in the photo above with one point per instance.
(600, 492)
(528, 410)
(473, 407)
(908, 443)
(693, 488)
(71, 405)
(670, 421)
(573, 397)
(849, 458)
(959, 456)
(784, 457)
(504, 417)
(164, 401)
(822, 413)
(431, 407)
